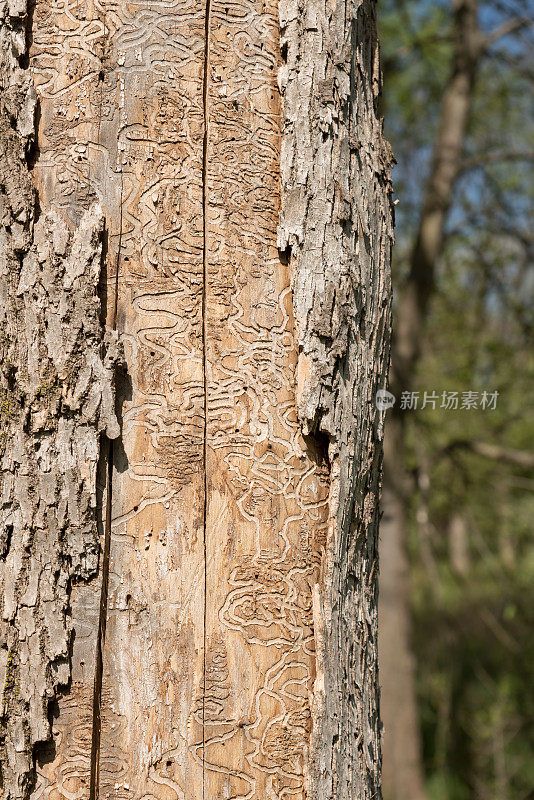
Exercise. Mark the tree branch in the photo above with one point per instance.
(494, 157)
(505, 29)
(518, 458)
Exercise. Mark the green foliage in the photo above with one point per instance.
(473, 618)
(472, 629)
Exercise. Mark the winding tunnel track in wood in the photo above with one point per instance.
(205, 267)
(99, 655)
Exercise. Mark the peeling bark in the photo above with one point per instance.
(240, 651)
(337, 223)
(56, 399)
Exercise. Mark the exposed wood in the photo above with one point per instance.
(235, 607)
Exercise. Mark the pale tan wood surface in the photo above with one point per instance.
(267, 495)
(153, 654)
(205, 688)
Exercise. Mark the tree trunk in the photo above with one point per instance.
(403, 769)
(403, 773)
(200, 621)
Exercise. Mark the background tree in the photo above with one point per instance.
(455, 546)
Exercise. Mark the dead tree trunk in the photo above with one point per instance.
(198, 618)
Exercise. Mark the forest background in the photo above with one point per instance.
(457, 699)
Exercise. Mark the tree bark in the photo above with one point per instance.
(57, 397)
(215, 617)
(403, 769)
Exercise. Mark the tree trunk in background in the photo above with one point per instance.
(402, 773)
(403, 769)
(201, 621)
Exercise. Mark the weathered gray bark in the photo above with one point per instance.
(336, 218)
(56, 398)
(336, 231)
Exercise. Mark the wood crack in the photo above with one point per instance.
(205, 264)
(103, 610)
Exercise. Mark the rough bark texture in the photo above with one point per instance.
(56, 398)
(232, 629)
(337, 222)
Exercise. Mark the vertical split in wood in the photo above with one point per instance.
(101, 635)
(205, 276)
(104, 587)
